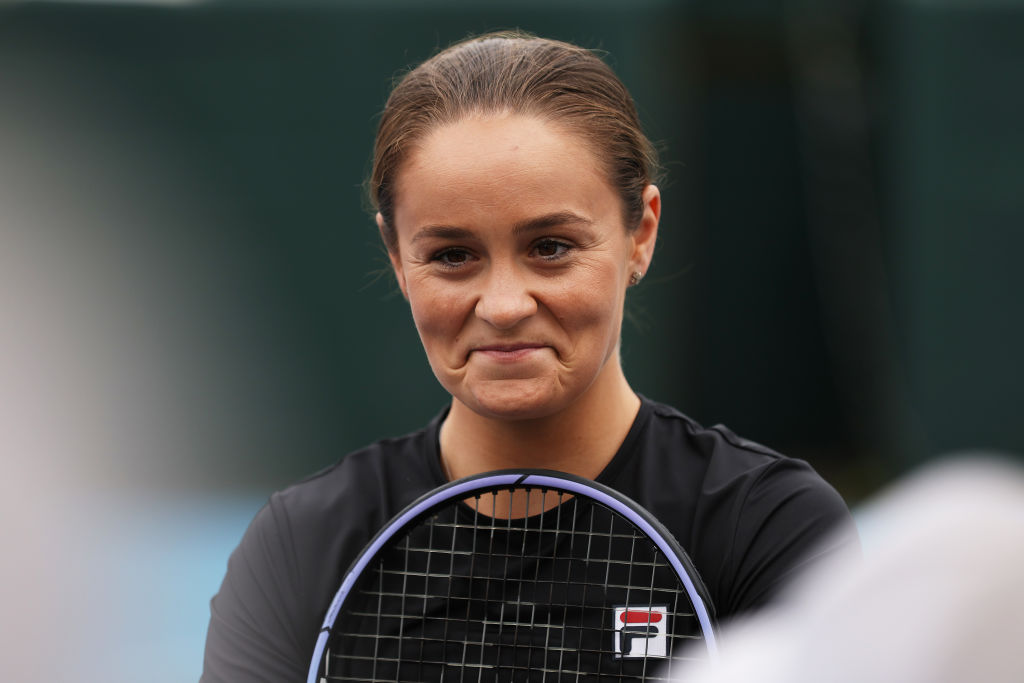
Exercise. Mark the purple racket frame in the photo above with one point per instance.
(463, 488)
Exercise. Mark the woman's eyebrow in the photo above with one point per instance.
(535, 224)
(550, 220)
(441, 232)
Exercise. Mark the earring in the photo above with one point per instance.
(634, 279)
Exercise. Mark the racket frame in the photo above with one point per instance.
(536, 478)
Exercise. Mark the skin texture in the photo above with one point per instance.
(515, 261)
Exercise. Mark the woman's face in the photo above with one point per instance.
(514, 258)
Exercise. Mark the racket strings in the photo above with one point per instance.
(490, 598)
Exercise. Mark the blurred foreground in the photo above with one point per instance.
(936, 599)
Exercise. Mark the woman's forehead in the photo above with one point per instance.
(500, 173)
(500, 163)
(482, 140)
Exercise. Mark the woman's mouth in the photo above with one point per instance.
(508, 353)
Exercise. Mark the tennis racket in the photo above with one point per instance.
(516, 576)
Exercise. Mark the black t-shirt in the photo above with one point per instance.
(747, 516)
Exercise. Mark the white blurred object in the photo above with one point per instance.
(938, 597)
(104, 338)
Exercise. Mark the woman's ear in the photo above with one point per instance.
(393, 256)
(646, 233)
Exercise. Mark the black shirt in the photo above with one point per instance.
(747, 516)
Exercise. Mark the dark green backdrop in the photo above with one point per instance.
(836, 273)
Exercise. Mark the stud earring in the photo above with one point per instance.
(634, 279)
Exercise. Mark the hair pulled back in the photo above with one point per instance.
(515, 73)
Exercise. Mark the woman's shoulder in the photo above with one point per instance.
(719, 452)
(290, 560)
(726, 479)
(751, 517)
(674, 464)
(382, 477)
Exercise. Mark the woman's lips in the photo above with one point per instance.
(508, 352)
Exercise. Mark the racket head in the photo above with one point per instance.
(580, 582)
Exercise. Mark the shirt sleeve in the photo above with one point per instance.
(252, 631)
(790, 518)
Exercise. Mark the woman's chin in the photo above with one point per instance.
(510, 399)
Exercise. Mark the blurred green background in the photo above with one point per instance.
(196, 306)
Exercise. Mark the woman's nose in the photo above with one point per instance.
(505, 300)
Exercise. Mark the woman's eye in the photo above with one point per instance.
(551, 249)
(452, 258)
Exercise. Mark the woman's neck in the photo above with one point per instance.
(581, 439)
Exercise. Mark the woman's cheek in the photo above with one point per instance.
(438, 313)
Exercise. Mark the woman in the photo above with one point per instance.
(515, 196)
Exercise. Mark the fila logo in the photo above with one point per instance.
(641, 632)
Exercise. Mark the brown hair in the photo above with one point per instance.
(521, 74)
